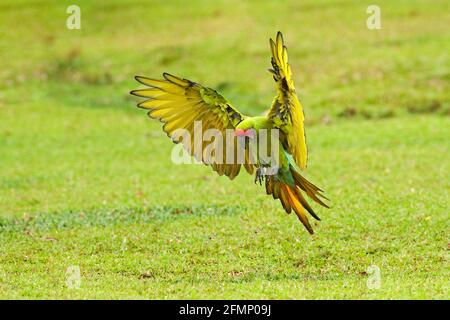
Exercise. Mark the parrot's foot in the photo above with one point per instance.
(259, 176)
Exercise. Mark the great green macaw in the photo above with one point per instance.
(178, 102)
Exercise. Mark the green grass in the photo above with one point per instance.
(86, 178)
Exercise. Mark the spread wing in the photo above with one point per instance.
(183, 104)
(286, 111)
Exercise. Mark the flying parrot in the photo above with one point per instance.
(180, 103)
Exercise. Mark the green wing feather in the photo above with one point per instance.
(179, 103)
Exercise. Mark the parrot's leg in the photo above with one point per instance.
(259, 176)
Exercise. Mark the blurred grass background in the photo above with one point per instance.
(341, 67)
(82, 169)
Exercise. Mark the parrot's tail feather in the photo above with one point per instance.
(297, 206)
(310, 189)
(292, 198)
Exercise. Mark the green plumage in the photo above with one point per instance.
(180, 104)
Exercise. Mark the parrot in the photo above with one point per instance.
(179, 103)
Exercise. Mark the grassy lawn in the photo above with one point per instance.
(86, 178)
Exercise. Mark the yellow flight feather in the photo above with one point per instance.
(287, 111)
